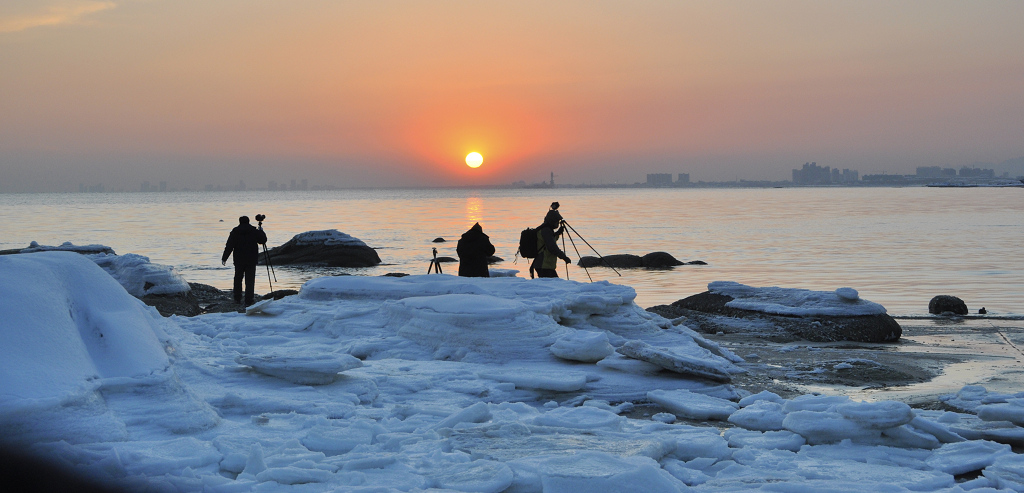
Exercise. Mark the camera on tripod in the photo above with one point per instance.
(260, 217)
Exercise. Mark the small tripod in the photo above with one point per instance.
(266, 254)
(434, 264)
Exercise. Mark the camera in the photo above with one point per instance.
(260, 217)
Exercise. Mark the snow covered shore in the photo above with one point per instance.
(445, 383)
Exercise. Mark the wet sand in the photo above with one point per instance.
(935, 356)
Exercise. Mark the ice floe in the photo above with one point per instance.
(442, 383)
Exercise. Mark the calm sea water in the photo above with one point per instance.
(897, 246)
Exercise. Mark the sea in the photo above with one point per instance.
(896, 246)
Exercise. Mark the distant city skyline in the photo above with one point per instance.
(120, 92)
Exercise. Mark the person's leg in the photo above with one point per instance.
(239, 274)
(547, 273)
(250, 284)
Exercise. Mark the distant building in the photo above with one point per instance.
(272, 185)
(977, 172)
(684, 179)
(241, 186)
(305, 184)
(659, 179)
(163, 186)
(144, 187)
(812, 174)
(934, 172)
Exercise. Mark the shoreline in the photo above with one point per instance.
(929, 360)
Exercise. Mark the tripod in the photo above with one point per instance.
(434, 264)
(270, 268)
(567, 225)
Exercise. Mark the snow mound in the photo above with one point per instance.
(326, 237)
(843, 302)
(67, 246)
(140, 277)
(65, 325)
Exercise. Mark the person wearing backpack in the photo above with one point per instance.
(474, 248)
(548, 252)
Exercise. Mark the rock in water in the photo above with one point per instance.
(784, 313)
(328, 248)
(659, 259)
(672, 361)
(621, 260)
(653, 260)
(947, 304)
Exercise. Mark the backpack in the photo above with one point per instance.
(528, 243)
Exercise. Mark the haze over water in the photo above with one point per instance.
(896, 246)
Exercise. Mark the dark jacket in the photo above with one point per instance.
(244, 242)
(548, 252)
(474, 248)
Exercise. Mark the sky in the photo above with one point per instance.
(390, 93)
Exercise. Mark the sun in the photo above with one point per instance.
(474, 160)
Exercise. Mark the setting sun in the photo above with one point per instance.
(474, 160)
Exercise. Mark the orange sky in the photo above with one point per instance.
(397, 93)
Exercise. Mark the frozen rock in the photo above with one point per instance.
(810, 402)
(761, 415)
(1012, 411)
(329, 248)
(584, 417)
(839, 315)
(763, 395)
(560, 381)
(827, 427)
(877, 415)
(476, 413)
(483, 476)
(691, 405)
(1006, 471)
(674, 361)
(581, 345)
(599, 472)
(625, 364)
(964, 457)
(301, 369)
(67, 246)
(774, 440)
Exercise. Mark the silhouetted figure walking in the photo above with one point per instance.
(244, 242)
(474, 248)
(548, 252)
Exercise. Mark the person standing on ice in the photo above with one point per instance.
(474, 248)
(244, 242)
(548, 252)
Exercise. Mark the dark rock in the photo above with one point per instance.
(696, 262)
(184, 304)
(329, 248)
(493, 259)
(947, 304)
(982, 311)
(446, 259)
(280, 293)
(653, 260)
(659, 259)
(707, 312)
(439, 240)
(395, 274)
(621, 260)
